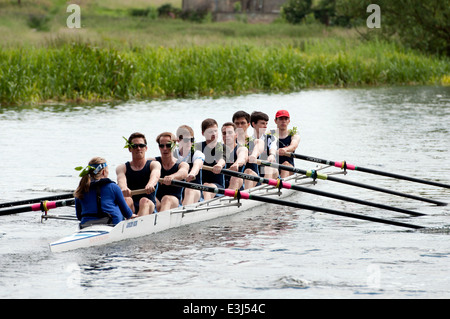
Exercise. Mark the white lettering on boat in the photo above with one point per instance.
(132, 224)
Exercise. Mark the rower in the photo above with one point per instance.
(235, 155)
(242, 121)
(213, 151)
(185, 152)
(288, 140)
(167, 196)
(139, 173)
(265, 146)
(98, 200)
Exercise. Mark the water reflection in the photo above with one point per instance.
(183, 248)
(265, 251)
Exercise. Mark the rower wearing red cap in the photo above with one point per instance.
(288, 140)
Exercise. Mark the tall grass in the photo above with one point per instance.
(83, 72)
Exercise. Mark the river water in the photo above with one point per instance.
(268, 252)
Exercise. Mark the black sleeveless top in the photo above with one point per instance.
(250, 144)
(283, 142)
(212, 156)
(190, 162)
(230, 158)
(138, 180)
(167, 189)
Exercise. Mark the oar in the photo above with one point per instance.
(245, 195)
(282, 184)
(314, 174)
(365, 170)
(42, 206)
(36, 200)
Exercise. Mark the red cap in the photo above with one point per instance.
(282, 113)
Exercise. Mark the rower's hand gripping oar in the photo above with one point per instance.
(365, 170)
(314, 174)
(43, 206)
(282, 184)
(244, 195)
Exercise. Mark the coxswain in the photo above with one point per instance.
(98, 200)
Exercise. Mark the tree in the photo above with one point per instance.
(423, 25)
(294, 11)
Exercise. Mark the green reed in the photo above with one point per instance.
(83, 72)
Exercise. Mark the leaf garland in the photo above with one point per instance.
(127, 144)
(293, 131)
(84, 171)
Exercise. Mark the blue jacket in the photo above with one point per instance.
(112, 203)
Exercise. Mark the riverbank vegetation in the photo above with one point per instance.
(126, 52)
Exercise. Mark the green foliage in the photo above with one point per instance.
(199, 15)
(294, 11)
(38, 21)
(306, 11)
(71, 72)
(84, 170)
(325, 12)
(423, 25)
(149, 12)
(81, 72)
(168, 11)
(127, 144)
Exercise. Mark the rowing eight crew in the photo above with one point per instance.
(98, 200)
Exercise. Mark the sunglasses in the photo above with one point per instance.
(186, 139)
(138, 145)
(168, 145)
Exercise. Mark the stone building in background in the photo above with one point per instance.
(223, 10)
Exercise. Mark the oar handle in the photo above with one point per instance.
(207, 168)
(138, 191)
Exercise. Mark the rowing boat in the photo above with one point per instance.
(145, 225)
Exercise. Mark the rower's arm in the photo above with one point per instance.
(258, 148)
(196, 167)
(122, 180)
(183, 170)
(294, 144)
(155, 174)
(242, 155)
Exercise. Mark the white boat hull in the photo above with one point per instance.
(146, 225)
